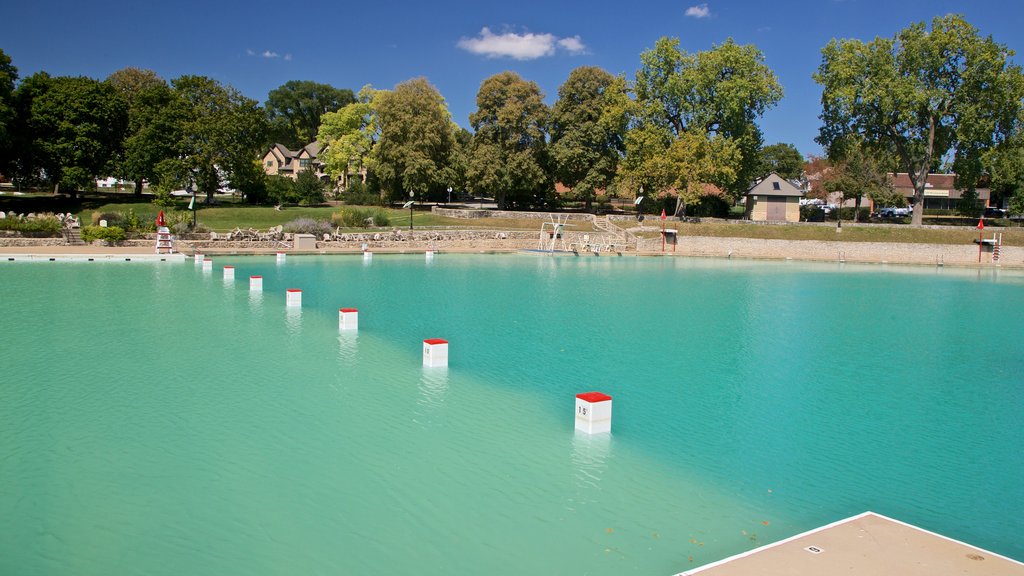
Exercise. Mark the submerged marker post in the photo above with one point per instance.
(294, 298)
(348, 319)
(593, 413)
(435, 352)
(256, 283)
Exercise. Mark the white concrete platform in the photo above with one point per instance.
(97, 257)
(868, 544)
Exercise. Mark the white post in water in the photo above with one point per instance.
(348, 319)
(207, 264)
(430, 255)
(593, 413)
(294, 298)
(198, 257)
(256, 283)
(435, 352)
(281, 256)
(367, 255)
(229, 274)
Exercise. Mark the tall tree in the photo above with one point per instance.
(347, 137)
(717, 94)
(8, 75)
(72, 129)
(922, 95)
(587, 140)
(221, 132)
(294, 110)
(1005, 167)
(509, 157)
(783, 159)
(416, 139)
(148, 138)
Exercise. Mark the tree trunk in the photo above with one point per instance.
(138, 187)
(918, 216)
(209, 196)
(856, 209)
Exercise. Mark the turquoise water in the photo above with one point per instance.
(155, 421)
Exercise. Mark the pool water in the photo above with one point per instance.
(155, 420)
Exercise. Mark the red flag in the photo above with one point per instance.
(662, 213)
(160, 218)
(981, 224)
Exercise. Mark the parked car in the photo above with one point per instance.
(895, 212)
(992, 212)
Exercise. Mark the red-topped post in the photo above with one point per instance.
(593, 413)
(435, 352)
(348, 319)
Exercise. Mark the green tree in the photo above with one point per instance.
(854, 174)
(921, 96)
(294, 110)
(783, 159)
(151, 132)
(347, 136)
(71, 130)
(718, 93)
(1005, 167)
(220, 132)
(587, 141)
(8, 76)
(416, 140)
(509, 156)
(308, 188)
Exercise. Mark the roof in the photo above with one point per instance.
(941, 185)
(868, 544)
(774, 185)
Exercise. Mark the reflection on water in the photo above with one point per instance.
(590, 458)
(348, 347)
(433, 386)
(293, 320)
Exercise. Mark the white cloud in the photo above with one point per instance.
(573, 45)
(526, 46)
(698, 11)
(250, 52)
(269, 54)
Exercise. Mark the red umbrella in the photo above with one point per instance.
(160, 218)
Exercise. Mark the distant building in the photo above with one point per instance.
(281, 161)
(773, 199)
(940, 191)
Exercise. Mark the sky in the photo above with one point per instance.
(256, 46)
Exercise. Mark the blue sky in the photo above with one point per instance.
(256, 46)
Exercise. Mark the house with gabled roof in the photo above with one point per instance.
(281, 161)
(773, 199)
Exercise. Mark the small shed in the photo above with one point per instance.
(773, 199)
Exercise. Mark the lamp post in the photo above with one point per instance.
(192, 204)
(639, 205)
(449, 194)
(411, 196)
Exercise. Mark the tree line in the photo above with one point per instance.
(684, 126)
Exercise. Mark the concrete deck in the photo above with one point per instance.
(868, 544)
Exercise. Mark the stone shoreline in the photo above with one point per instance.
(475, 241)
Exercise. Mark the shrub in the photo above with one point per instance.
(163, 198)
(307, 226)
(360, 218)
(112, 218)
(43, 226)
(112, 234)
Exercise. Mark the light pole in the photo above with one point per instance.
(639, 206)
(449, 194)
(411, 196)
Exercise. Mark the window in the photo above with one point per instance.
(775, 186)
(270, 163)
(304, 163)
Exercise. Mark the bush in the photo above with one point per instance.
(163, 198)
(112, 234)
(43, 226)
(308, 226)
(360, 218)
(309, 189)
(112, 218)
(358, 194)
